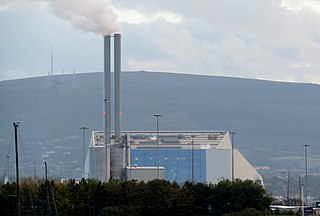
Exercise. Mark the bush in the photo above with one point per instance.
(156, 197)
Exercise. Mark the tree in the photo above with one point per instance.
(156, 197)
(7, 199)
(236, 196)
(201, 194)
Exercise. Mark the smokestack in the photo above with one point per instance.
(116, 152)
(117, 86)
(107, 103)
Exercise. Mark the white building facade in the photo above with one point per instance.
(199, 156)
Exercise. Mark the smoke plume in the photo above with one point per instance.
(88, 15)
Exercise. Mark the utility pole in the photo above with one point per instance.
(48, 210)
(306, 169)
(302, 201)
(34, 172)
(288, 189)
(192, 166)
(16, 125)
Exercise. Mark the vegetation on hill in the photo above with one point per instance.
(157, 197)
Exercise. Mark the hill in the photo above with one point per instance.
(272, 120)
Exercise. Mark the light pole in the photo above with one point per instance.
(157, 154)
(192, 164)
(16, 125)
(306, 169)
(83, 128)
(232, 154)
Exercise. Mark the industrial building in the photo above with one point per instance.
(199, 156)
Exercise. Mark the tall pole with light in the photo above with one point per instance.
(306, 170)
(192, 162)
(157, 153)
(16, 125)
(288, 190)
(83, 128)
(232, 154)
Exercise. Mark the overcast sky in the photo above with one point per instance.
(264, 39)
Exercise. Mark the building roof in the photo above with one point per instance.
(170, 139)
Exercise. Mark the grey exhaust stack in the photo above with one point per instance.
(113, 150)
(117, 87)
(107, 104)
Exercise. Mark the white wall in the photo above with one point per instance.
(243, 169)
(144, 174)
(218, 164)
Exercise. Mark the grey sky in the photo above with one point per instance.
(265, 39)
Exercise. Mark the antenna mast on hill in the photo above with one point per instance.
(51, 62)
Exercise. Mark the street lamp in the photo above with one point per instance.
(192, 165)
(16, 125)
(232, 154)
(306, 169)
(157, 154)
(83, 128)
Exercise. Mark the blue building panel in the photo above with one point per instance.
(177, 162)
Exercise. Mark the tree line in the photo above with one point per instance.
(156, 197)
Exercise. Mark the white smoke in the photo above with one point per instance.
(89, 15)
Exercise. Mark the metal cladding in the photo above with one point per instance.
(107, 103)
(117, 86)
(127, 156)
(116, 162)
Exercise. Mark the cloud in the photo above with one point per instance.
(8, 4)
(277, 39)
(132, 16)
(249, 38)
(153, 65)
(4, 6)
(301, 5)
(93, 16)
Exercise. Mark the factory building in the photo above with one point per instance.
(199, 156)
